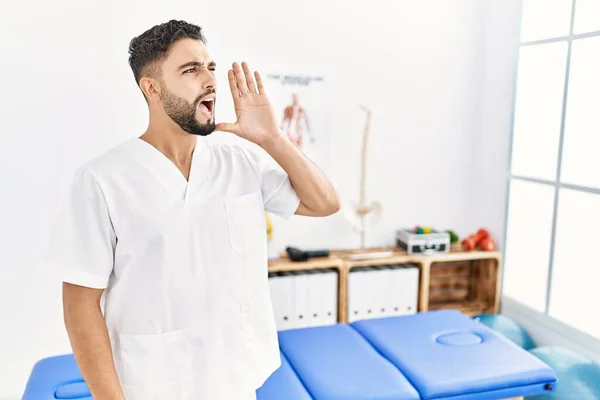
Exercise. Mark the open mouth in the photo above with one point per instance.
(207, 106)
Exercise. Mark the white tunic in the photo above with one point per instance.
(184, 264)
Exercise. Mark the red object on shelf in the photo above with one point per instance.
(488, 244)
(481, 238)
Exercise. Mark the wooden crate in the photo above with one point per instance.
(470, 286)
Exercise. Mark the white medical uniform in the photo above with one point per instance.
(184, 265)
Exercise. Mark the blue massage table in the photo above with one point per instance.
(441, 355)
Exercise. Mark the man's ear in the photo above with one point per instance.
(149, 87)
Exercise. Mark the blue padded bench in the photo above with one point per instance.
(335, 362)
(441, 355)
(284, 380)
(59, 377)
(55, 378)
(447, 355)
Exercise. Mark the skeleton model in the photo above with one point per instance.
(363, 215)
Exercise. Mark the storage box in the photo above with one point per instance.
(423, 243)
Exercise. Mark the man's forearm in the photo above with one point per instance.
(91, 347)
(315, 191)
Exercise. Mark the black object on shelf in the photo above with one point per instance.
(296, 254)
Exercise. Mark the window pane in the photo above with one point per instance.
(538, 110)
(543, 19)
(574, 295)
(581, 163)
(587, 16)
(529, 228)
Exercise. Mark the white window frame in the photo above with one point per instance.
(562, 333)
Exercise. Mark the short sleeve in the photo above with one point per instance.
(81, 247)
(279, 195)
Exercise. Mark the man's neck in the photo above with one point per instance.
(177, 146)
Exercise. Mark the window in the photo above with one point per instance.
(581, 158)
(544, 19)
(538, 109)
(531, 205)
(587, 13)
(553, 218)
(573, 295)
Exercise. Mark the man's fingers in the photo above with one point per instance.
(239, 78)
(227, 127)
(249, 79)
(233, 86)
(259, 83)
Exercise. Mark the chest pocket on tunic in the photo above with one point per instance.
(247, 235)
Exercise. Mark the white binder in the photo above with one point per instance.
(300, 299)
(411, 289)
(275, 297)
(329, 297)
(371, 294)
(397, 289)
(382, 287)
(313, 309)
(352, 295)
(393, 297)
(287, 299)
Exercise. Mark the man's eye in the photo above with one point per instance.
(192, 70)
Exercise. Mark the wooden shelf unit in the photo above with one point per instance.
(466, 281)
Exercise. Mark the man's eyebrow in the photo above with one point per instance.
(211, 64)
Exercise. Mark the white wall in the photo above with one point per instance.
(501, 39)
(68, 95)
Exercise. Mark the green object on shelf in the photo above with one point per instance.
(453, 236)
(419, 231)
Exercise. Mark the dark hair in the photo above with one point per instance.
(154, 44)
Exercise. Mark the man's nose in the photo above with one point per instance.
(210, 82)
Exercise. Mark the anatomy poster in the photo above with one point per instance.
(300, 103)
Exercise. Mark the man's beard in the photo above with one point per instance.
(184, 114)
